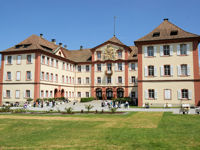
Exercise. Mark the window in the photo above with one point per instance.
(87, 80)
(79, 68)
(156, 34)
(19, 57)
(175, 32)
(133, 79)
(17, 94)
(109, 67)
(133, 94)
(70, 94)
(66, 94)
(28, 94)
(42, 93)
(167, 71)
(87, 94)
(98, 67)
(56, 78)
(18, 76)
(150, 51)
(166, 50)
(51, 63)
(63, 67)
(151, 70)
(119, 54)
(184, 70)
(47, 94)
(9, 61)
(98, 55)
(109, 80)
(184, 93)
(167, 93)
(79, 80)
(63, 78)
(9, 76)
(132, 66)
(99, 80)
(51, 77)
(51, 94)
(87, 68)
(119, 79)
(28, 75)
(48, 61)
(8, 95)
(43, 59)
(70, 80)
(79, 94)
(28, 59)
(67, 79)
(183, 49)
(120, 66)
(151, 93)
(56, 63)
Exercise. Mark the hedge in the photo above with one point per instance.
(87, 99)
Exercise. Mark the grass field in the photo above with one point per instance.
(138, 130)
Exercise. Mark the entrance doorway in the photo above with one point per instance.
(55, 93)
(62, 93)
(109, 93)
(99, 93)
(120, 92)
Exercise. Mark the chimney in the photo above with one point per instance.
(65, 46)
(60, 44)
(81, 47)
(165, 19)
(54, 41)
(41, 35)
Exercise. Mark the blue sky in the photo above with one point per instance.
(90, 22)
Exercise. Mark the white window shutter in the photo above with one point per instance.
(4, 93)
(25, 94)
(145, 71)
(6, 59)
(122, 80)
(156, 94)
(145, 51)
(11, 76)
(45, 60)
(31, 75)
(161, 50)
(188, 49)
(116, 66)
(178, 50)
(129, 66)
(11, 59)
(146, 94)
(31, 96)
(54, 63)
(172, 70)
(116, 80)
(155, 50)
(171, 50)
(179, 94)
(123, 64)
(95, 80)
(31, 58)
(190, 94)
(136, 66)
(130, 80)
(95, 67)
(161, 71)
(5, 76)
(179, 70)
(45, 94)
(188, 70)
(155, 71)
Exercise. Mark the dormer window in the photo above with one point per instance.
(18, 46)
(156, 34)
(174, 33)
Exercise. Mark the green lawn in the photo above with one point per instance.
(139, 130)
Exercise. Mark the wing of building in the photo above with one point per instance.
(162, 68)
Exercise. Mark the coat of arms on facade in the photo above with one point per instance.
(109, 53)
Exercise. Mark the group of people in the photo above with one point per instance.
(114, 104)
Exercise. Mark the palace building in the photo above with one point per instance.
(162, 67)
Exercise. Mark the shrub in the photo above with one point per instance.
(29, 99)
(18, 110)
(5, 109)
(88, 99)
(89, 107)
(69, 110)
